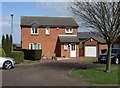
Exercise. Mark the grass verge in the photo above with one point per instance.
(31, 61)
(98, 76)
(88, 60)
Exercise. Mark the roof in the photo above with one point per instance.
(68, 38)
(17, 45)
(88, 35)
(85, 35)
(48, 21)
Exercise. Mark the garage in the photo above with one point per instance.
(90, 51)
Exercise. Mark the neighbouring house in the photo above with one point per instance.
(54, 35)
(92, 44)
(17, 46)
(117, 43)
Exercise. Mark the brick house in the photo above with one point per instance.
(92, 44)
(54, 35)
(117, 43)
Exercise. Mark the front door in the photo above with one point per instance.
(73, 50)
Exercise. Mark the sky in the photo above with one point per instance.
(29, 9)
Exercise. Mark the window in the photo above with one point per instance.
(65, 46)
(68, 30)
(34, 30)
(34, 46)
(47, 30)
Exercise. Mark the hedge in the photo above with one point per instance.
(18, 56)
(2, 52)
(31, 54)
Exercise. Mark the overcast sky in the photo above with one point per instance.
(29, 9)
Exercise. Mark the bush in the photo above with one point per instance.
(54, 58)
(18, 56)
(31, 54)
(2, 52)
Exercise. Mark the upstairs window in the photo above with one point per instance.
(47, 30)
(68, 30)
(34, 30)
(34, 46)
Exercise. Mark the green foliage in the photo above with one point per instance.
(2, 52)
(7, 44)
(98, 76)
(31, 54)
(11, 40)
(81, 45)
(18, 56)
(54, 58)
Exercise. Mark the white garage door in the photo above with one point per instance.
(90, 51)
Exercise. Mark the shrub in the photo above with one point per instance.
(2, 52)
(54, 58)
(31, 54)
(18, 56)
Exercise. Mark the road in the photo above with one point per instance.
(42, 74)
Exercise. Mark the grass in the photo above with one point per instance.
(98, 76)
(31, 61)
(88, 61)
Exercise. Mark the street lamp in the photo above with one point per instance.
(12, 23)
(12, 30)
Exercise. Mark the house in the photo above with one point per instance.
(116, 44)
(17, 46)
(54, 35)
(92, 44)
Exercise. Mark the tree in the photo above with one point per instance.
(7, 44)
(103, 17)
(11, 40)
(7, 49)
(3, 42)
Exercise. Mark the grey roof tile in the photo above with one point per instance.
(67, 39)
(48, 21)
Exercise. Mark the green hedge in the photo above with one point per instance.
(18, 56)
(2, 52)
(31, 54)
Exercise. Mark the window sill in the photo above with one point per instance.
(69, 32)
(47, 34)
(34, 34)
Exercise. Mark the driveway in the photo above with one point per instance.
(49, 73)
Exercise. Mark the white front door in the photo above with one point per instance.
(72, 50)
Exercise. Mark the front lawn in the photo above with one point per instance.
(98, 76)
(88, 60)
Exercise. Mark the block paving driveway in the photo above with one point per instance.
(46, 73)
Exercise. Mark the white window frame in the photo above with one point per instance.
(33, 44)
(47, 30)
(33, 32)
(65, 46)
(69, 30)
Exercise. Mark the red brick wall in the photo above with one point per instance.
(90, 43)
(66, 53)
(48, 42)
(101, 47)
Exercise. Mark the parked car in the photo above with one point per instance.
(115, 56)
(6, 62)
